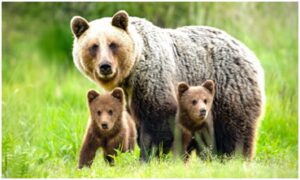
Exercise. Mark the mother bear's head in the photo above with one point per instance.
(104, 49)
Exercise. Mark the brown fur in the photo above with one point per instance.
(107, 109)
(191, 100)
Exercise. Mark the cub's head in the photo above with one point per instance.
(106, 109)
(196, 101)
(103, 49)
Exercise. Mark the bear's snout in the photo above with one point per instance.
(202, 112)
(104, 125)
(105, 68)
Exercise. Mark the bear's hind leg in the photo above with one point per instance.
(249, 144)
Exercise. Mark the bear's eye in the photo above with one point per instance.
(113, 46)
(194, 102)
(94, 49)
(99, 113)
(110, 112)
(205, 101)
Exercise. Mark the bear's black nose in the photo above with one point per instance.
(104, 126)
(202, 112)
(105, 69)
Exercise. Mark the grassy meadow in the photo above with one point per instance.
(44, 110)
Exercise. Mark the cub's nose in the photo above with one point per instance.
(105, 68)
(202, 112)
(104, 126)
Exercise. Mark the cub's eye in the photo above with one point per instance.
(110, 112)
(113, 46)
(194, 102)
(99, 113)
(205, 101)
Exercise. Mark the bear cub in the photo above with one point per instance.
(110, 127)
(194, 118)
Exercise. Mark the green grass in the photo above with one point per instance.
(44, 111)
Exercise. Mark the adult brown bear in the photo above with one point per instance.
(148, 62)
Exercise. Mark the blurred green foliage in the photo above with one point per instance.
(44, 111)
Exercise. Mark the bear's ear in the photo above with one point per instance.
(79, 25)
(120, 20)
(182, 87)
(210, 86)
(92, 94)
(118, 93)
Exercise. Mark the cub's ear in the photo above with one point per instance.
(120, 20)
(92, 94)
(210, 86)
(118, 93)
(182, 87)
(79, 25)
